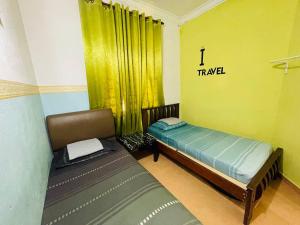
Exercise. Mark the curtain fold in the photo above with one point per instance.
(123, 57)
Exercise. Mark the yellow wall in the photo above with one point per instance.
(243, 36)
(288, 121)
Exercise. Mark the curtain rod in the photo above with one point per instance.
(107, 4)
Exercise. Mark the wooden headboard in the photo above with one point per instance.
(151, 115)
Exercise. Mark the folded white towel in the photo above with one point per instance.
(82, 148)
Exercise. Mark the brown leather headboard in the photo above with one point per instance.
(67, 128)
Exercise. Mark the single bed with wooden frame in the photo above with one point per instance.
(249, 193)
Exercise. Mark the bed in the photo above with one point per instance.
(241, 167)
(109, 189)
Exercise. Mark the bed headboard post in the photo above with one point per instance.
(144, 119)
(151, 115)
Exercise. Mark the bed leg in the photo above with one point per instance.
(249, 205)
(155, 151)
(155, 157)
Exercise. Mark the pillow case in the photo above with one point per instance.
(164, 126)
(61, 157)
(171, 120)
(83, 148)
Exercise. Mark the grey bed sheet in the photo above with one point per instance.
(113, 189)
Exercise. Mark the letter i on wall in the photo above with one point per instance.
(202, 56)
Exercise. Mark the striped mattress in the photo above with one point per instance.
(113, 189)
(238, 157)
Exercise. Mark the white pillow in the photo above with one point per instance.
(82, 148)
(171, 120)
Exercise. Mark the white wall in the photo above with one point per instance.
(15, 62)
(54, 37)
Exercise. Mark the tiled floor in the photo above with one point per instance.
(280, 203)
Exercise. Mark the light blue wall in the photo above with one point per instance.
(25, 152)
(55, 103)
(24, 162)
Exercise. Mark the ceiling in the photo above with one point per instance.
(177, 7)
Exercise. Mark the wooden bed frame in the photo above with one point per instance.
(249, 195)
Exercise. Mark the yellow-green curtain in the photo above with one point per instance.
(123, 57)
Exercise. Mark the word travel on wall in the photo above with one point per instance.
(211, 71)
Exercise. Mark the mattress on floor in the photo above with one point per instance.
(113, 189)
(237, 157)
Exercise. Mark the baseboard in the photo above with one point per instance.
(290, 183)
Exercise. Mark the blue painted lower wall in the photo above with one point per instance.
(24, 162)
(55, 103)
(26, 154)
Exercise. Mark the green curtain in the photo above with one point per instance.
(123, 57)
